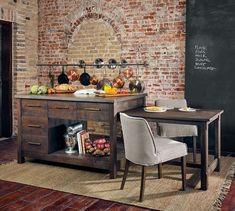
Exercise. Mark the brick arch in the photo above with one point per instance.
(73, 22)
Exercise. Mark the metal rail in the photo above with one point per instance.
(145, 64)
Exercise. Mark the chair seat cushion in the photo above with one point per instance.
(168, 149)
(176, 130)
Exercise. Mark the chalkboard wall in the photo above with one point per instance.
(210, 61)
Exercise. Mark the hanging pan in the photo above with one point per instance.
(63, 78)
(85, 78)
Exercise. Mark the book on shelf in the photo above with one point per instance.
(81, 138)
(79, 141)
(84, 136)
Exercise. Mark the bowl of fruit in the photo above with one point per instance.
(97, 147)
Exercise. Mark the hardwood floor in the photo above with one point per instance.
(16, 196)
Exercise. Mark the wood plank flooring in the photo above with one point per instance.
(16, 196)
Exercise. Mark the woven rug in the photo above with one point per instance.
(161, 194)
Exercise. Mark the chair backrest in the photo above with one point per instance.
(176, 103)
(139, 142)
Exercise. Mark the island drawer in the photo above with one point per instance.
(93, 111)
(35, 125)
(62, 110)
(34, 143)
(34, 108)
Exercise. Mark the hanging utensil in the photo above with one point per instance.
(103, 82)
(73, 74)
(128, 73)
(112, 64)
(136, 85)
(93, 79)
(82, 64)
(99, 63)
(63, 78)
(118, 82)
(51, 77)
(123, 63)
(84, 78)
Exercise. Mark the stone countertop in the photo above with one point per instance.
(85, 98)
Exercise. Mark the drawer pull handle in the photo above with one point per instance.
(35, 126)
(92, 109)
(34, 106)
(34, 143)
(61, 107)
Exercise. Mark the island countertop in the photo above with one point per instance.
(82, 98)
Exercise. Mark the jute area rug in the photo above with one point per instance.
(161, 194)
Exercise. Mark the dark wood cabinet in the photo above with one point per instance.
(43, 121)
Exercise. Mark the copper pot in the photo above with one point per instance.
(118, 82)
(72, 74)
(94, 80)
(128, 73)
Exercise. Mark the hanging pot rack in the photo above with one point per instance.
(145, 64)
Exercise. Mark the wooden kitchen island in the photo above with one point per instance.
(42, 120)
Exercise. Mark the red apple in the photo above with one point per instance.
(107, 145)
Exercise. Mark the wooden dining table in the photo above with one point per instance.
(202, 118)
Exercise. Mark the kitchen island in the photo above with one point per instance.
(42, 119)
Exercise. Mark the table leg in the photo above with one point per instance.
(113, 149)
(20, 157)
(203, 134)
(218, 142)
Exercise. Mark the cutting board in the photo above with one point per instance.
(116, 95)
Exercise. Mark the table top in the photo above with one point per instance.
(174, 115)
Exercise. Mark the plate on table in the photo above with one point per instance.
(188, 109)
(167, 107)
(154, 109)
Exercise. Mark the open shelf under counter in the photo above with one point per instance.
(84, 160)
(73, 159)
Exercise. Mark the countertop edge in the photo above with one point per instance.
(85, 98)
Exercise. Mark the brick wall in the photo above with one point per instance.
(147, 30)
(137, 30)
(24, 16)
(48, 31)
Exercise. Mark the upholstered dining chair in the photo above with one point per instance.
(142, 148)
(173, 130)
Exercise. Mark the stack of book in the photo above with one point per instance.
(82, 136)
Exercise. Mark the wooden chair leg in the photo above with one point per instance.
(194, 149)
(125, 174)
(159, 166)
(142, 183)
(183, 172)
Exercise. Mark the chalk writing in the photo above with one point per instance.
(202, 62)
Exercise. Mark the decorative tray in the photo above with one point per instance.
(115, 95)
(56, 91)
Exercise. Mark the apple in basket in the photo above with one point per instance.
(99, 147)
